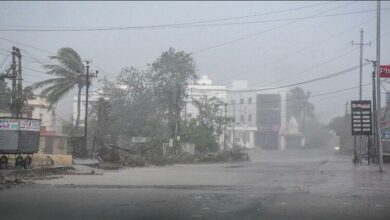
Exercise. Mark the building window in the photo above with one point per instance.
(241, 101)
(242, 119)
(232, 102)
(249, 100)
(40, 116)
(249, 117)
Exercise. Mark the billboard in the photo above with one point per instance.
(361, 117)
(385, 71)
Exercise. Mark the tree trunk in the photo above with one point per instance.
(78, 107)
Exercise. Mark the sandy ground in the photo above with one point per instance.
(302, 184)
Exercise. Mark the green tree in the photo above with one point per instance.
(298, 104)
(68, 74)
(341, 125)
(171, 74)
(132, 103)
(200, 135)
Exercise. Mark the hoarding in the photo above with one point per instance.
(385, 71)
(361, 117)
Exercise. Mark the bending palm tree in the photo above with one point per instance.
(69, 73)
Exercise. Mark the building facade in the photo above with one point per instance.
(92, 99)
(259, 116)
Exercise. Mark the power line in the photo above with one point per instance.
(181, 26)
(288, 85)
(303, 49)
(4, 60)
(167, 25)
(312, 96)
(27, 45)
(265, 31)
(314, 67)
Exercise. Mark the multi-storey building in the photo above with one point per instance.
(259, 116)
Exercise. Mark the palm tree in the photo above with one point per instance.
(69, 73)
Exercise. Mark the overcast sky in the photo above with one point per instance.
(271, 49)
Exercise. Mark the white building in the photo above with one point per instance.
(260, 116)
(40, 110)
(202, 89)
(92, 99)
(259, 113)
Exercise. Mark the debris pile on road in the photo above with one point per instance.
(16, 177)
(219, 157)
(113, 157)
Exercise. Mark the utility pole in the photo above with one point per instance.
(224, 133)
(234, 122)
(13, 87)
(361, 44)
(177, 116)
(378, 86)
(86, 105)
(374, 130)
(374, 136)
(19, 102)
(14, 73)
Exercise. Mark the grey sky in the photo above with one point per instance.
(261, 59)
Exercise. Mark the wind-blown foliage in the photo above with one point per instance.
(171, 74)
(67, 74)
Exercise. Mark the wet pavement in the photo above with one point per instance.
(301, 184)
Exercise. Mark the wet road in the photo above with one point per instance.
(273, 185)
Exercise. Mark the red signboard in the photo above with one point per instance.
(385, 71)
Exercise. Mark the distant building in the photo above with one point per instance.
(203, 88)
(40, 110)
(92, 99)
(260, 116)
(259, 113)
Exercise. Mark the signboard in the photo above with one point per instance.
(385, 71)
(361, 117)
(30, 125)
(140, 139)
(9, 124)
(15, 124)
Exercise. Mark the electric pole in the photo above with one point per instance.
(14, 73)
(19, 102)
(224, 133)
(177, 117)
(361, 44)
(86, 107)
(86, 104)
(374, 130)
(378, 81)
(13, 87)
(234, 122)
